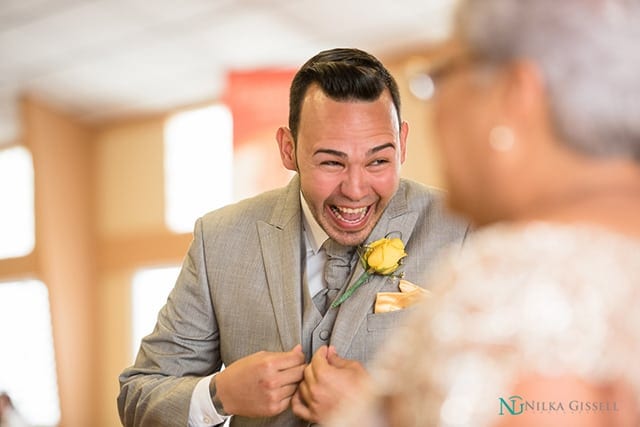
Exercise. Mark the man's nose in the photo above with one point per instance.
(355, 184)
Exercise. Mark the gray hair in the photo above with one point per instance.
(588, 55)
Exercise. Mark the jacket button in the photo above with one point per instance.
(324, 335)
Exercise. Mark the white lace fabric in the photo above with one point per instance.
(537, 299)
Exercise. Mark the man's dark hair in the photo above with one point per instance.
(343, 74)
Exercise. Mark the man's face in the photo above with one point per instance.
(348, 156)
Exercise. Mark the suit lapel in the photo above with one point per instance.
(280, 242)
(397, 221)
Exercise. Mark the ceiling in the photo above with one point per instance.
(103, 59)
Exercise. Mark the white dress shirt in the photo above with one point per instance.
(201, 411)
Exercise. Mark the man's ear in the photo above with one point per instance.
(287, 147)
(404, 132)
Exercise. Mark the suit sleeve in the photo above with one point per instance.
(183, 348)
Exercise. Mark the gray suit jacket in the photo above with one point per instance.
(240, 292)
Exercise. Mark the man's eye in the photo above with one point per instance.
(379, 162)
(331, 163)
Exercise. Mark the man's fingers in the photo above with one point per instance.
(291, 375)
(318, 363)
(299, 407)
(337, 361)
(297, 349)
(286, 393)
(321, 351)
(289, 359)
(309, 378)
(262, 383)
(289, 390)
(310, 390)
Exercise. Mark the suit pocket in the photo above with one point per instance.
(383, 321)
(380, 327)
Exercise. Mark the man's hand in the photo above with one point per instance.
(329, 380)
(262, 384)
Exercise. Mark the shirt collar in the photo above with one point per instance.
(315, 235)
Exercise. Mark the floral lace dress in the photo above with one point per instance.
(537, 299)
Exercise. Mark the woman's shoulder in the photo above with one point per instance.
(576, 255)
(539, 300)
(554, 298)
(541, 279)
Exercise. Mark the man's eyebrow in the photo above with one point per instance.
(330, 152)
(341, 154)
(374, 150)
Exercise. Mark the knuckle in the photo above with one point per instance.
(274, 406)
(267, 365)
(267, 383)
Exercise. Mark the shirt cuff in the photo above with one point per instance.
(201, 411)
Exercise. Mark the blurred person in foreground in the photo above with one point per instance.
(251, 294)
(9, 416)
(536, 323)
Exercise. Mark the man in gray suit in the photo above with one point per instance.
(251, 295)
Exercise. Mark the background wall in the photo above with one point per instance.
(99, 215)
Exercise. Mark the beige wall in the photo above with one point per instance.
(129, 178)
(99, 214)
(65, 250)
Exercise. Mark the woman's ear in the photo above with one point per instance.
(525, 107)
(287, 147)
(524, 91)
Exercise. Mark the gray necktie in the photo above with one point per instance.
(336, 273)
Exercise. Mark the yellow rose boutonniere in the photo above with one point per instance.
(381, 257)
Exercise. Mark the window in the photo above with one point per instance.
(17, 229)
(198, 157)
(27, 363)
(150, 290)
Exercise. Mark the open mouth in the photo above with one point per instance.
(350, 216)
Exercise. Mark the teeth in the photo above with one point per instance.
(352, 211)
(359, 213)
